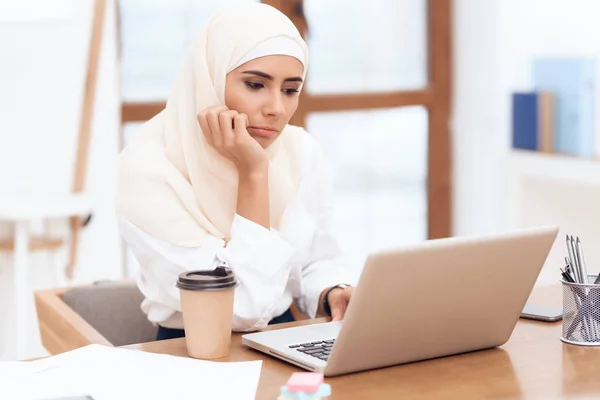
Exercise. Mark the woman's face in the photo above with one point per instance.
(266, 89)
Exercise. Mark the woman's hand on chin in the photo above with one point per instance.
(225, 130)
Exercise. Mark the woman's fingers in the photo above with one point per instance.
(203, 119)
(226, 126)
(240, 123)
(212, 116)
(203, 122)
(339, 303)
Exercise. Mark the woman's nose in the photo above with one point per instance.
(275, 105)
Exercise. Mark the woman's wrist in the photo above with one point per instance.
(253, 176)
(253, 196)
(321, 311)
(320, 307)
(255, 173)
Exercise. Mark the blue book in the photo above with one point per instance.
(533, 121)
(525, 121)
(572, 80)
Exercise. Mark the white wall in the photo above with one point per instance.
(495, 41)
(42, 72)
(477, 135)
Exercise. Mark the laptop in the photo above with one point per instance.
(438, 298)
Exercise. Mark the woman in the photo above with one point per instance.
(219, 177)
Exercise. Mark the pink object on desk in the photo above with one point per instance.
(307, 382)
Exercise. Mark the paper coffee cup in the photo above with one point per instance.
(207, 308)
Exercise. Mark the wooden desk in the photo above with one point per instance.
(533, 364)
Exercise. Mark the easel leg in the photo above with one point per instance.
(21, 260)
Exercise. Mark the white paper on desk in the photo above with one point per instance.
(16, 368)
(107, 373)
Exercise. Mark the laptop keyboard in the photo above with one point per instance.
(319, 349)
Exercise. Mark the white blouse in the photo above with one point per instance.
(273, 267)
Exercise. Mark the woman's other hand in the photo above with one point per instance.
(338, 300)
(225, 130)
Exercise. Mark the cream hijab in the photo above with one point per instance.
(171, 183)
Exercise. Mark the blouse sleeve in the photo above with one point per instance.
(258, 257)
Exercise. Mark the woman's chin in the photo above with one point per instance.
(264, 142)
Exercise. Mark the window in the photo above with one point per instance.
(359, 46)
(379, 173)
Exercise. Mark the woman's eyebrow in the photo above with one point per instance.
(269, 77)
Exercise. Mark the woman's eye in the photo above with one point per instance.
(254, 85)
(290, 91)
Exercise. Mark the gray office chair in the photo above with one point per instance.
(113, 309)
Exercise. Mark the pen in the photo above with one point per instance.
(576, 259)
(567, 266)
(579, 252)
(570, 259)
(567, 271)
(566, 276)
(592, 327)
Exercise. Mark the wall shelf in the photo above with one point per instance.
(557, 167)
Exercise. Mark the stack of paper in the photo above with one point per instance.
(106, 373)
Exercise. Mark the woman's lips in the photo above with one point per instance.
(262, 131)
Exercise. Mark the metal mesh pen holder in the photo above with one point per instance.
(581, 313)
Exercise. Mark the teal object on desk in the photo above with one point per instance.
(323, 392)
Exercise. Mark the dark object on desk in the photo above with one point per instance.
(541, 313)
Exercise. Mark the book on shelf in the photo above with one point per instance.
(572, 81)
(533, 121)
